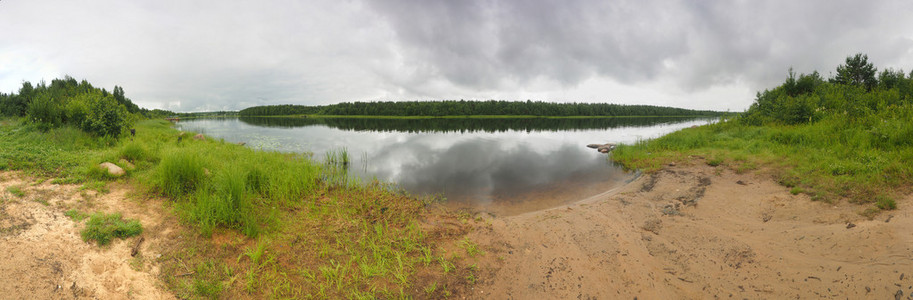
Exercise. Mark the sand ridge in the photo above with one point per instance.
(698, 232)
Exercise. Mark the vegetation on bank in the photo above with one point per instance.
(849, 137)
(462, 124)
(463, 108)
(261, 224)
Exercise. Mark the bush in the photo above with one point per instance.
(105, 117)
(103, 227)
(45, 112)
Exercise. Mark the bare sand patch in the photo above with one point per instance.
(43, 256)
(698, 232)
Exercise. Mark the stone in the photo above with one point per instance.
(112, 169)
(594, 146)
(199, 136)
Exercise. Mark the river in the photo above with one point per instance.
(503, 166)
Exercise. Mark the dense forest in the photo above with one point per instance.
(462, 124)
(474, 108)
(77, 103)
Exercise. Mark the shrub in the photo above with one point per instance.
(45, 112)
(103, 227)
(105, 117)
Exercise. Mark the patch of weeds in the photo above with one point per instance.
(446, 265)
(42, 201)
(426, 257)
(795, 190)
(206, 283)
(16, 191)
(104, 227)
(745, 167)
(95, 185)
(788, 181)
(137, 262)
(715, 162)
(429, 290)
(471, 248)
(885, 203)
(870, 213)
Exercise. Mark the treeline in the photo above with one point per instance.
(76, 103)
(856, 92)
(474, 108)
(464, 124)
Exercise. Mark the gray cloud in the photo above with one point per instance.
(699, 44)
(205, 55)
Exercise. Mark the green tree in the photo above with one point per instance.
(857, 71)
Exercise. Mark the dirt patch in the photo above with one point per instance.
(44, 257)
(697, 232)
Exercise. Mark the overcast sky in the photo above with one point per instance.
(228, 55)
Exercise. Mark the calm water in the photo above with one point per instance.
(505, 166)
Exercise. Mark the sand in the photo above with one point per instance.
(43, 257)
(698, 232)
(686, 232)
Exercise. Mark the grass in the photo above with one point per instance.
(15, 191)
(76, 215)
(295, 228)
(833, 159)
(102, 228)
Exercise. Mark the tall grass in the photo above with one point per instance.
(180, 173)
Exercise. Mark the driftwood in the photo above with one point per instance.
(136, 246)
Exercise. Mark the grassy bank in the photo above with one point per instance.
(259, 224)
(831, 140)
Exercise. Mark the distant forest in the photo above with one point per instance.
(465, 124)
(474, 108)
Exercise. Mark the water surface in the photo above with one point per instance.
(505, 166)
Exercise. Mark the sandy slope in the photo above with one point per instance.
(699, 232)
(43, 257)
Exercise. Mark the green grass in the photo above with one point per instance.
(835, 158)
(76, 215)
(331, 236)
(16, 191)
(102, 228)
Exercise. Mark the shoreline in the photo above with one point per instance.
(694, 231)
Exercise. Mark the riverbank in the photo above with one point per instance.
(695, 231)
(219, 220)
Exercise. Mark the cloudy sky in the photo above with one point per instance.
(228, 55)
